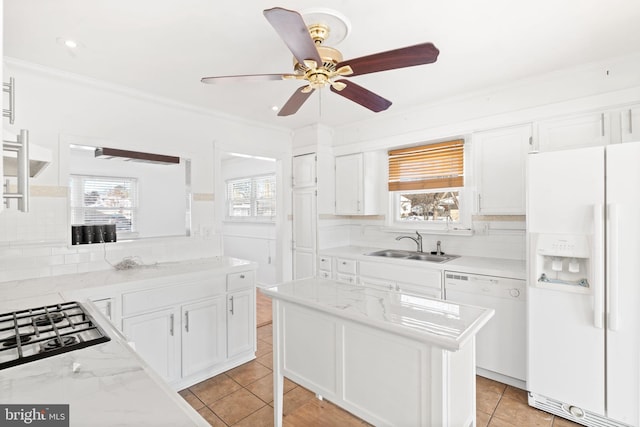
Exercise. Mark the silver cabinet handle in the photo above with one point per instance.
(109, 309)
(171, 324)
(242, 276)
(602, 123)
(231, 300)
(186, 320)
(630, 121)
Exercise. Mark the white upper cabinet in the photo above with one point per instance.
(582, 130)
(304, 170)
(358, 182)
(500, 158)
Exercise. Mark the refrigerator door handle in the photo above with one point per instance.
(598, 265)
(613, 257)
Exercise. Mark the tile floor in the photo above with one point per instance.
(243, 396)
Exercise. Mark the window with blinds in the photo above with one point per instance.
(104, 200)
(252, 197)
(427, 182)
(439, 165)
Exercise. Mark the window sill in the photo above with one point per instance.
(457, 230)
(249, 221)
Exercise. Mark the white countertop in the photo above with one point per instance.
(445, 324)
(12, 292)
(111, 385)
(515, 269)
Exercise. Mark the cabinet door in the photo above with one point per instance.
(241, 324)
(304, 170)
(630, 124)
(156, 337)
(420, 290)
(203, 335)
(584, 130)
(500, 164)
(349, 184)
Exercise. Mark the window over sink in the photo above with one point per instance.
(426, 186)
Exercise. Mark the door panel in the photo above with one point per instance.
(623, 320)
(304, 233)
(566, 350)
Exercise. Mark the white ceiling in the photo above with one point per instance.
(164, 47)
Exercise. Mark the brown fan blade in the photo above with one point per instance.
(420, 54)
(295, 102)
(294, 32)
(243, 78)
(362, 96)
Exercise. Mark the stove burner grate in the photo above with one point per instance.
(13, 341)
(47, 319)
(37, 333)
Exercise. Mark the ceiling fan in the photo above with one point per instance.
(320, 65)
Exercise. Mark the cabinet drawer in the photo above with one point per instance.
(346, 278)
(241, 280)
(324, 263)
(346, 266)
(324, 274)
(167, 296)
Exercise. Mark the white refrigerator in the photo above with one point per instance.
(583, 293)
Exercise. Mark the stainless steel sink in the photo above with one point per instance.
(391, 253)
(417, 256)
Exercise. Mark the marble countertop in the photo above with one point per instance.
(123, 279)
(445, 324)
(106, 384)
(515, 269)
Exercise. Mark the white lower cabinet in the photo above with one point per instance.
(203, 335)
(421, 281)
(191, 331)
(240, 322)
(156, 339)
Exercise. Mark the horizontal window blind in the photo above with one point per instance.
(104, 200)
(439, 165)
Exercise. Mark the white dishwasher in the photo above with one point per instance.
(501, 344)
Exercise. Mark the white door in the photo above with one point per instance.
(156, 337)
(241, 323)
(565, 344)
(349, 198)
(304, 233)
(623, 291)
(203, 335)
(304, 170)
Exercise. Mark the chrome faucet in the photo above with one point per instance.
(418, 240)
(438, 248)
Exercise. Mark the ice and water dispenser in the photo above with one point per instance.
(561, 261)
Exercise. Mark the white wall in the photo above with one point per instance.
(54, 106)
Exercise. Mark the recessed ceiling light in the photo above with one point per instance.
(69, 43)
(274, 107)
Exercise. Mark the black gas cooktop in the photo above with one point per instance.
(36, 333)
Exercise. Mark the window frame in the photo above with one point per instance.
(463, 225)
(134, 199)
(253, 199)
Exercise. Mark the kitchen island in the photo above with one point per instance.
(392, 359)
